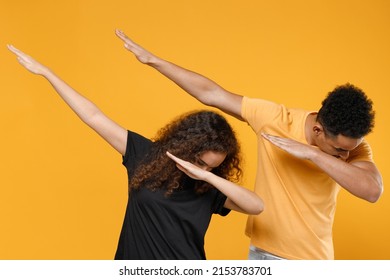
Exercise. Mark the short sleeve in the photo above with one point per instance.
(362, 152)
(219, 205)
(258, 112)
(136, 148)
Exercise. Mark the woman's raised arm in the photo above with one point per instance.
(86, 110)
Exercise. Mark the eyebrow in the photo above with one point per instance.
(205, 163)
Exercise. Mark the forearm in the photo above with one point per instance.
(238, 198)
(243, 199)
(361, 179)
(89, 113)
(84, 108)
(203, 89)
(198, 86)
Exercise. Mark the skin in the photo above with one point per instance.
(360, 178)
(238, 197)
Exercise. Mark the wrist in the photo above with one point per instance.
(208, 176)
(154, 61)
(315, 154)
(46, 72)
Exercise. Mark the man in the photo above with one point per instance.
(304, 158)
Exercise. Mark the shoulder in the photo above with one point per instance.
(137, 146)
(259, 113)
(136, 138)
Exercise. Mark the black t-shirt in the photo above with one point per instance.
(163, 227)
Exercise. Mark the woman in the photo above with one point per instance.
(171, 199)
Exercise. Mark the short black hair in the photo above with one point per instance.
(347, 111)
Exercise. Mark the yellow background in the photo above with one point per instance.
(63, 189)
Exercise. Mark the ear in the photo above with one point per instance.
(318, 129)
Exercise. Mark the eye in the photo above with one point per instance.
(339, 150)
(200, 162)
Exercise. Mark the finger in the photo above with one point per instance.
(124, 35)
(16, 51)
(176, 159)
(265, 135)
(181, 168)
(13, 49)
(169, 154)
(274, 139)
(119, 33)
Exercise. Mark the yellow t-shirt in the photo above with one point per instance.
(300, 199)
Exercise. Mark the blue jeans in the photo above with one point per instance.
(259, 254)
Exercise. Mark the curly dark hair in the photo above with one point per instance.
(347, 111)
(188, 137)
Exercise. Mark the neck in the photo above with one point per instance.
(309, 124)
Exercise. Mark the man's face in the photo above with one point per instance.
(338, 146)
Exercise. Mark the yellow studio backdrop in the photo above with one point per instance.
(63, 190)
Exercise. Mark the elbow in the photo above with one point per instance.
(211, 96)
(206, 99)
(257, 209)
(92, 118)
(373, 199)
(376, 192)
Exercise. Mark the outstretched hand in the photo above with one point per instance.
(140, 53)
(295, 148)
(188, 168)
(28, 62)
